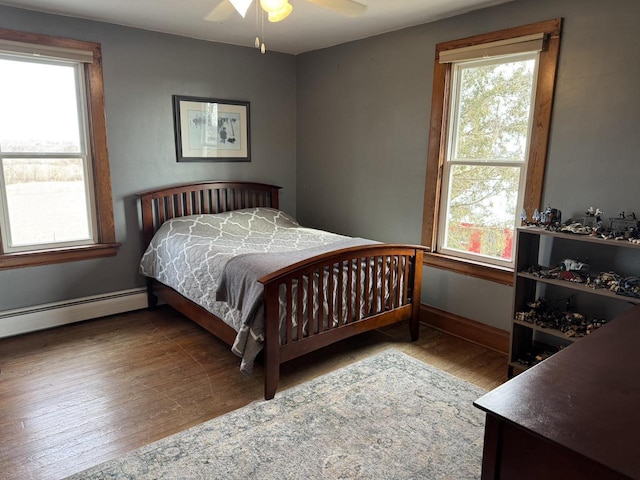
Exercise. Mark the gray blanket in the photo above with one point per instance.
(240, 288)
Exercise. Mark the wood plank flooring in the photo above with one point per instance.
(75, 396)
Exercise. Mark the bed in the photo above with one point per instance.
(292, 301)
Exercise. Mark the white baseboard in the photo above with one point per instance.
(30, 319)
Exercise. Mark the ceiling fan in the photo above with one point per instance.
(278, 10)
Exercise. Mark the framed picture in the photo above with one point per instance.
(209, 129)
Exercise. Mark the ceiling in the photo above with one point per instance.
(309, 27)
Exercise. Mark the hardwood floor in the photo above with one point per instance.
(77, 395)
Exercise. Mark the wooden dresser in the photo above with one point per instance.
(575, 415)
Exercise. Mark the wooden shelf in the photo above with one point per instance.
(518, 367)
(535, 246)
(581, 287)
(538, 347)
(549, 331)
(578, 237)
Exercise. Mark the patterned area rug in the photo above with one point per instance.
(389, 416)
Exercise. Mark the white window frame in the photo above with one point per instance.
(451, 160)
(84, 155)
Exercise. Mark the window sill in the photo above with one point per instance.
(61, 255)
(481, 270)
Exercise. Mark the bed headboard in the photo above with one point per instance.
(163, 204)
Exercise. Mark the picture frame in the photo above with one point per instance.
(211, 129)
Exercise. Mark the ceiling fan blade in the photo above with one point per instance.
(344, 7)
(220, 12)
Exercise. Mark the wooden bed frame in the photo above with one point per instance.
(400, 278)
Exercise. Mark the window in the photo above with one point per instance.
(55, 193)
(491, 110)
(484, 164)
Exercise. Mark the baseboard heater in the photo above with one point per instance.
(39, 317)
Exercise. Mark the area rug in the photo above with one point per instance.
(388, 416)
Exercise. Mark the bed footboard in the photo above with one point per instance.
(333, 296)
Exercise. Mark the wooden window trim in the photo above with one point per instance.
(61, 255)
(106, 239)
(440, 98)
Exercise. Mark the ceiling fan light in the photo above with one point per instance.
(273, 6)
(241, 6)
(280, 14)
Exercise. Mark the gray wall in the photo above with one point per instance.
(363, 119)
(142, 70)
(361, 111)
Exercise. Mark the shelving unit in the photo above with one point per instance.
(537, 246)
